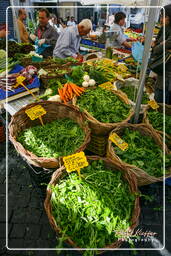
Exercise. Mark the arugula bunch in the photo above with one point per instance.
(104, 105)
(93, 210)
(131, 92)
(53, 139)
(156, 120)
(143, 152)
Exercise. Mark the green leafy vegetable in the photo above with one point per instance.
(91, 210)
(53, 139)
(104, 105)
(131, 92)
(143, 152)
(156, 120)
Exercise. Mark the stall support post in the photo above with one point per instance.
(148, 39)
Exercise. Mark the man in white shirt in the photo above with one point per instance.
(68, 42)
(117, 26)
(71, 22)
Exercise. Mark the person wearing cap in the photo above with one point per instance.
(24, 36)
(117, 26)
(157, 51)
(68, 42)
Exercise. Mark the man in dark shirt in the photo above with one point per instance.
(45, 33)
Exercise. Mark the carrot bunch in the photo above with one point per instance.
(69, 91)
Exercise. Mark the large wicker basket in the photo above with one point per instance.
(99, 128)
(160, 109)
(143, 177)
(128, 176)
(20, 121)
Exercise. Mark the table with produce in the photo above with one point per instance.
(80, 127)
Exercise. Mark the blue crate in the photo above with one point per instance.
(34, 84)
(92, 43)
(168, 181)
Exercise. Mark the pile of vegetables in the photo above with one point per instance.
(92, 210)
(132, 91)
(53, 139)
(68, 91)
(143, 152)
(87, 81)
(156, 120)
(104, 105)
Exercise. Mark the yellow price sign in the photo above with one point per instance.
(153, 104)
(35, 112)
(118, 141)
(107, 85)
(20, 80)
(75, 162)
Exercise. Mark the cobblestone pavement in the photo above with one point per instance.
(28, 224)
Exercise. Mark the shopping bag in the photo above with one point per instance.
(137, 51)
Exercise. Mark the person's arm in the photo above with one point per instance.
(126, 44)
(53, 38)
(23, 33)
(122, 40)
(158, 49)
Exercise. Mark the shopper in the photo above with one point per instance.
(120, 39)
(68, 42)
(45, 33)
(24, 36)
(71, 22)
(158, 52)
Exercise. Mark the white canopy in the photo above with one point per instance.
(119, 2)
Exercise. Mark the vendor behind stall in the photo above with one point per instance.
(68, 42)
(45, 33)
(120, 39)
(24, 36)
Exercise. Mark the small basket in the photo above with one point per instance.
(128, 176)
(143, 177)
(54, 110)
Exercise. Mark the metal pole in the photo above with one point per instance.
(148, 39)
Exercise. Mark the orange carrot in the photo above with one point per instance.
(65, 88)
(60, 94)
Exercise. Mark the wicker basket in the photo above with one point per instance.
(98, 145)
(103, 129)
(143, 177)
(160, 109)
(128, 176)
(55, 110)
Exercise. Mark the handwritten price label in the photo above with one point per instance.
(35, 112)
(75, 162)
(118, 141)
(20, 80)
(153, 104)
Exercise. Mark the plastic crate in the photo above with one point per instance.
(92, 43)
(34, 84)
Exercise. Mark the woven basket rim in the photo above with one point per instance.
(135, 169)
(128, 176)
(31, 156)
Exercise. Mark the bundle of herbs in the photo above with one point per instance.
(95, 210)
(132, 91)
(104, 105)
(53, 139)
(143, 152)
(156, 119)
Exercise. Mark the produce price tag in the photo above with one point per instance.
(75, 162)
(107, 85)
(118, 141)
(19, 80)
(153, 104)
(35, 112)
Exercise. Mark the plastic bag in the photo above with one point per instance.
(40, 49)
(137, 51)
